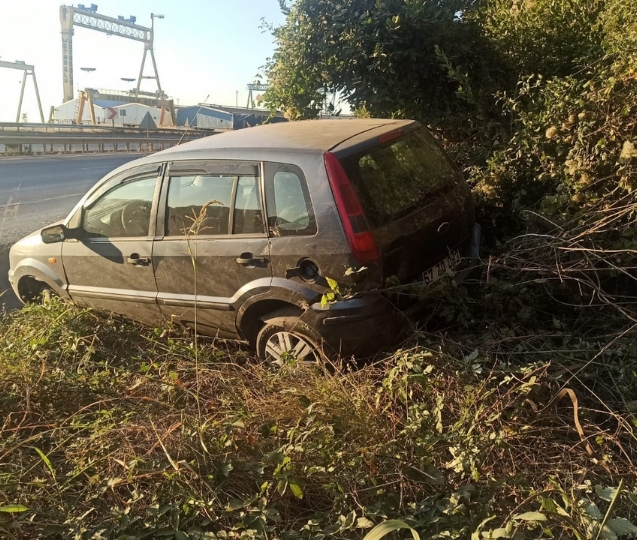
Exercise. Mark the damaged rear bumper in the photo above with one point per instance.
(360, 326)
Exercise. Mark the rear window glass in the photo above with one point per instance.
(199, 205)
(396, 178)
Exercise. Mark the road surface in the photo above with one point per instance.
(36, 191)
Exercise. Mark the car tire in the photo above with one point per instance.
(288, 339)
(33, 291)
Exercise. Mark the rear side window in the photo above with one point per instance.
(213, 205)
(396, 178)
(288, 203)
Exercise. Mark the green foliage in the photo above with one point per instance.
(554, 38)
(390, 58)
(388, 527)
(619, 23)
(572, 149)
(535, 99)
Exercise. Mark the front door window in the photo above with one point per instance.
(122, 212)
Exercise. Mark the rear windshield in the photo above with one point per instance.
(398, 177)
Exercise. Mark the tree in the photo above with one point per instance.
(413, 58)
(536, 99)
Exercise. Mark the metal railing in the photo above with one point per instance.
(103, 128)
(23, 138)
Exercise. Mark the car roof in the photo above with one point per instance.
(308, 135)
(274, 141)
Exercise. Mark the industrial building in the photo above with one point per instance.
(111, 112)
(134, 108)
(208, 116)
(123, 114)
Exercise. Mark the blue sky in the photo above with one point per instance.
(204, 48)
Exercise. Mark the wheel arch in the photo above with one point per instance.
(285, 297)
(254, 317)
(31, 271)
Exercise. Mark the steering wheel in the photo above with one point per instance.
(135, 218)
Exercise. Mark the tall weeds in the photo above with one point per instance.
(101, 436)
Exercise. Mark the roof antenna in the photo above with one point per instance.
(188, 128)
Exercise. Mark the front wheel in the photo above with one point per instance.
(287, 339)
(32, 291)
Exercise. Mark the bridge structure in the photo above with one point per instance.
(21, 138)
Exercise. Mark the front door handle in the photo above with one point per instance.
(246, 259)
(136, 260)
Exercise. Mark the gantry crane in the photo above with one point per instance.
(255, 87)
(87, 17)
(27, 70)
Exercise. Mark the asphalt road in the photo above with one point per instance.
(36, 191)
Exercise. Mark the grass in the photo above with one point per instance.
(111, 430)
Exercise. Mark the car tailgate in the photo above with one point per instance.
(417, 204)
(413, 243)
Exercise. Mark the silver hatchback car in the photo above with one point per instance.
(282, 236)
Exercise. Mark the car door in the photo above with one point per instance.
(108, 266)
(214, 252)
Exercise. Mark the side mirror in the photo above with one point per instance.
(56, 233)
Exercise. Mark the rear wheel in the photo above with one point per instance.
(286, 340)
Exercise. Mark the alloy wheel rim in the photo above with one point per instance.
(284, 346)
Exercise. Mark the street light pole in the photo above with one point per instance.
(86, 70)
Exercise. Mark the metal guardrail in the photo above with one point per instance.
(21, 137)
(103, 128)
(84, 139)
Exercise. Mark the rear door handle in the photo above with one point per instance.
(246, 259)
(136, 260)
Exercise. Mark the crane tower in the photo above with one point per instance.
(27, 70)
(255, 87)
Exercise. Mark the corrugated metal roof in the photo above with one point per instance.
(190, 112)
(240, 110)
(225, 109)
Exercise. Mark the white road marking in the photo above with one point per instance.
(42, 200)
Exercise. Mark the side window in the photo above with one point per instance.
(288, 203)
(203, 205)
(198, 205)
(124, 211)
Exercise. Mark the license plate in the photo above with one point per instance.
(441, 268)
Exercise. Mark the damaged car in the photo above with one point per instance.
(282, 236)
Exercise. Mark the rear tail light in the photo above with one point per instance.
(360, 238)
